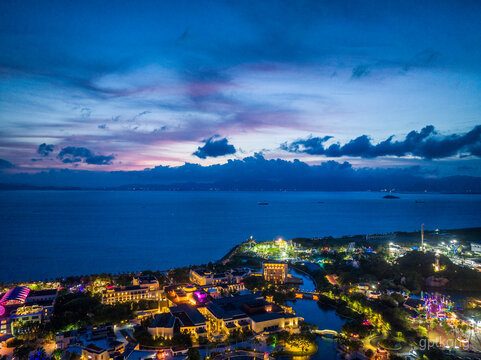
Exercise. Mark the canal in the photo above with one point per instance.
(323, 317)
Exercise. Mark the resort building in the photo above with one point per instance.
(201, 276)
(112, 295)
(476, 248)
(273, 321)
(20, 305)
(183, 294)
(204, 277)
(144, 287)
(94, 353)
(184, 318)
(146, 281)
(250, 312)
(163, 326)
(275, 272)
(94, 342)
(191, 321)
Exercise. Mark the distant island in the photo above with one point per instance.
(237, 175)
(390, 197)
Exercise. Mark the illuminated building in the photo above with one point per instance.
(201, 276)
(95, 342)
(436, 262)
(179, 295)
(20, 304)
(15, 296)
(23, 314)
(204, 277)
(183, 318)
(476, 248)
(191, 321)
(145, 287)
(146, 281)
(163, 326)
(247, 312)
(135, 293)
(93, 352)
(238, 275)
(273, 322)
(422, 237)
(275, 272)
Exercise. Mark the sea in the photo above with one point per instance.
(50, 234)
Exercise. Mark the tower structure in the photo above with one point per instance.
(422, 237)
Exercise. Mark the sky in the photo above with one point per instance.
(125, 86)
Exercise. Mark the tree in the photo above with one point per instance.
(446, 327)
(299, 341)
(180, 275)
(21, 352)
(40, 354)
(369, 353)
(193, 354)
(255, 283)
(182, 340)
(423, 332)
(398, 297)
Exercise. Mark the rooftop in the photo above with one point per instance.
(234, 307)
(413, 302)
(270, 316)
(188, 315)
(46, 292)
(16, 295)
(94, 348)
(166, 320)
(202, 272)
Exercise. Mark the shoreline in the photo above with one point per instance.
(7, 188)
(233, 250)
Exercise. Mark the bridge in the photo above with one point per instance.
(310, 295)
(243, 354)
(326, 332)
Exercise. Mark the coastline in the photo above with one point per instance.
(209, 188)
(470, 233)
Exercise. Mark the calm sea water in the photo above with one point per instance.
(58, 233)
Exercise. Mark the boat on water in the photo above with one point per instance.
(262, 203)
(419, 202)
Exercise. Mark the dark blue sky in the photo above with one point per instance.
(100, 85)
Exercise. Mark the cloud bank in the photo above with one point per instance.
(426, 144)
(4, 164)
(251, 173)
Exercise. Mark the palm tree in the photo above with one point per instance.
(21, 352)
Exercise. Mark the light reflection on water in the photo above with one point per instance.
(324, 318)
